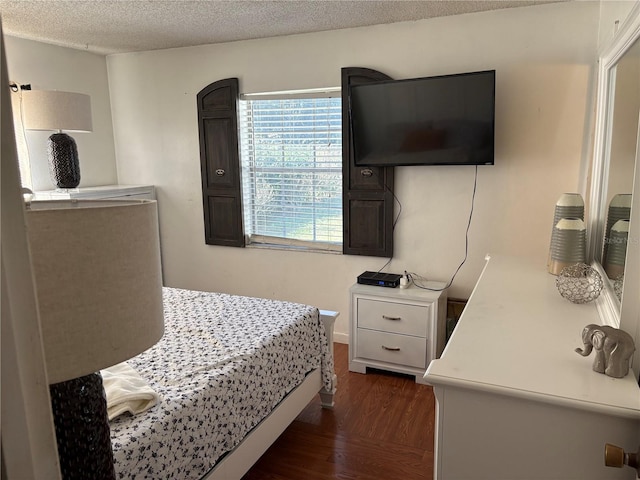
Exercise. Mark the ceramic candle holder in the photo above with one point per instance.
(568, 244)
(569, 205)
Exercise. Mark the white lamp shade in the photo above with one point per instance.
(53, 110)
(96, 265)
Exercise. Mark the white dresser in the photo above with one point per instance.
(140, 192)
(395, 329)
(514, 400)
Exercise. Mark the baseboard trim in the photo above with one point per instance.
(341, 337)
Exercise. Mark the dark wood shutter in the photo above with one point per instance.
(367, 192)
(220, 164)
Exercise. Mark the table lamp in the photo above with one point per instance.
(53, 110)
(96, 269)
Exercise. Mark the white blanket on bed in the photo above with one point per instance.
(126, 391)
(223, 364)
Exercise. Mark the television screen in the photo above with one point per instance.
(444, 120)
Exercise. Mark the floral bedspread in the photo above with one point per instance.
(222, 365)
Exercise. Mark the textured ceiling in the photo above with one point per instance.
(116, 26)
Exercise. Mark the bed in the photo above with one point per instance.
(231, 373)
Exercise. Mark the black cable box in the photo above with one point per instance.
(391, 280)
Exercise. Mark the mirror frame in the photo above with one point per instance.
(628, 33)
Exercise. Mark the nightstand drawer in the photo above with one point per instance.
(393, 317)
(391, 348)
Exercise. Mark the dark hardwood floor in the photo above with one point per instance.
(381, 428)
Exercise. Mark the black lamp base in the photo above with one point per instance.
(82, 429)
(64, 165)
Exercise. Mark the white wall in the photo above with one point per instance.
(544, 58)
(28, 435)
(49, 67)
(612, 14)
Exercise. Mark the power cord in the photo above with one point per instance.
(25, 163)
(395, 220)
(413, 276)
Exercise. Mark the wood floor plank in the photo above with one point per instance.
(381, 427)
(416, 422)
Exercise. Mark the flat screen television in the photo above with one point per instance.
(443, 120)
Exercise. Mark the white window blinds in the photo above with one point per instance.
(291, 159)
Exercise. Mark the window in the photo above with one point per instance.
(291, 161)
(366, 193)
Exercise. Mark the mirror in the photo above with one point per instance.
(623, 114)
(616, 144)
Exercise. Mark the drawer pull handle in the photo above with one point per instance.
(391, 349)
(386, 317)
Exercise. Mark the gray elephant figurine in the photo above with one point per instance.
(613, 347)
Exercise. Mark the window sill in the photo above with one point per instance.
(270, 246)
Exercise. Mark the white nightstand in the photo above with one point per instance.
(395, 329)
